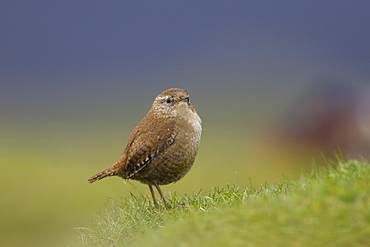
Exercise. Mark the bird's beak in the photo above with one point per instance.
(184, 98)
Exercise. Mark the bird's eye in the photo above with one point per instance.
(168, 100)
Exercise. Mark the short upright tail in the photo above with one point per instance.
(103, 174)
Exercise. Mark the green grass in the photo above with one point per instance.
(328, 207)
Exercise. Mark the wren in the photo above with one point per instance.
(162, 147)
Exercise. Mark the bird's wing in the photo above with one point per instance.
(145, 143)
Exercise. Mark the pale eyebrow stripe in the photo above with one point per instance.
(161, 97)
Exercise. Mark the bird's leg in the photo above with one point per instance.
(166, 203)
(153, 196)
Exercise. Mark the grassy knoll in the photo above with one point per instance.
(328, 207)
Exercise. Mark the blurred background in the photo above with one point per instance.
(277, 84)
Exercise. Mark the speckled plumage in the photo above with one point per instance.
(163, 146)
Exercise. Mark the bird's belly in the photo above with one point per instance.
(172, 164)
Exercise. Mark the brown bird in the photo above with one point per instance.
(162, 147)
